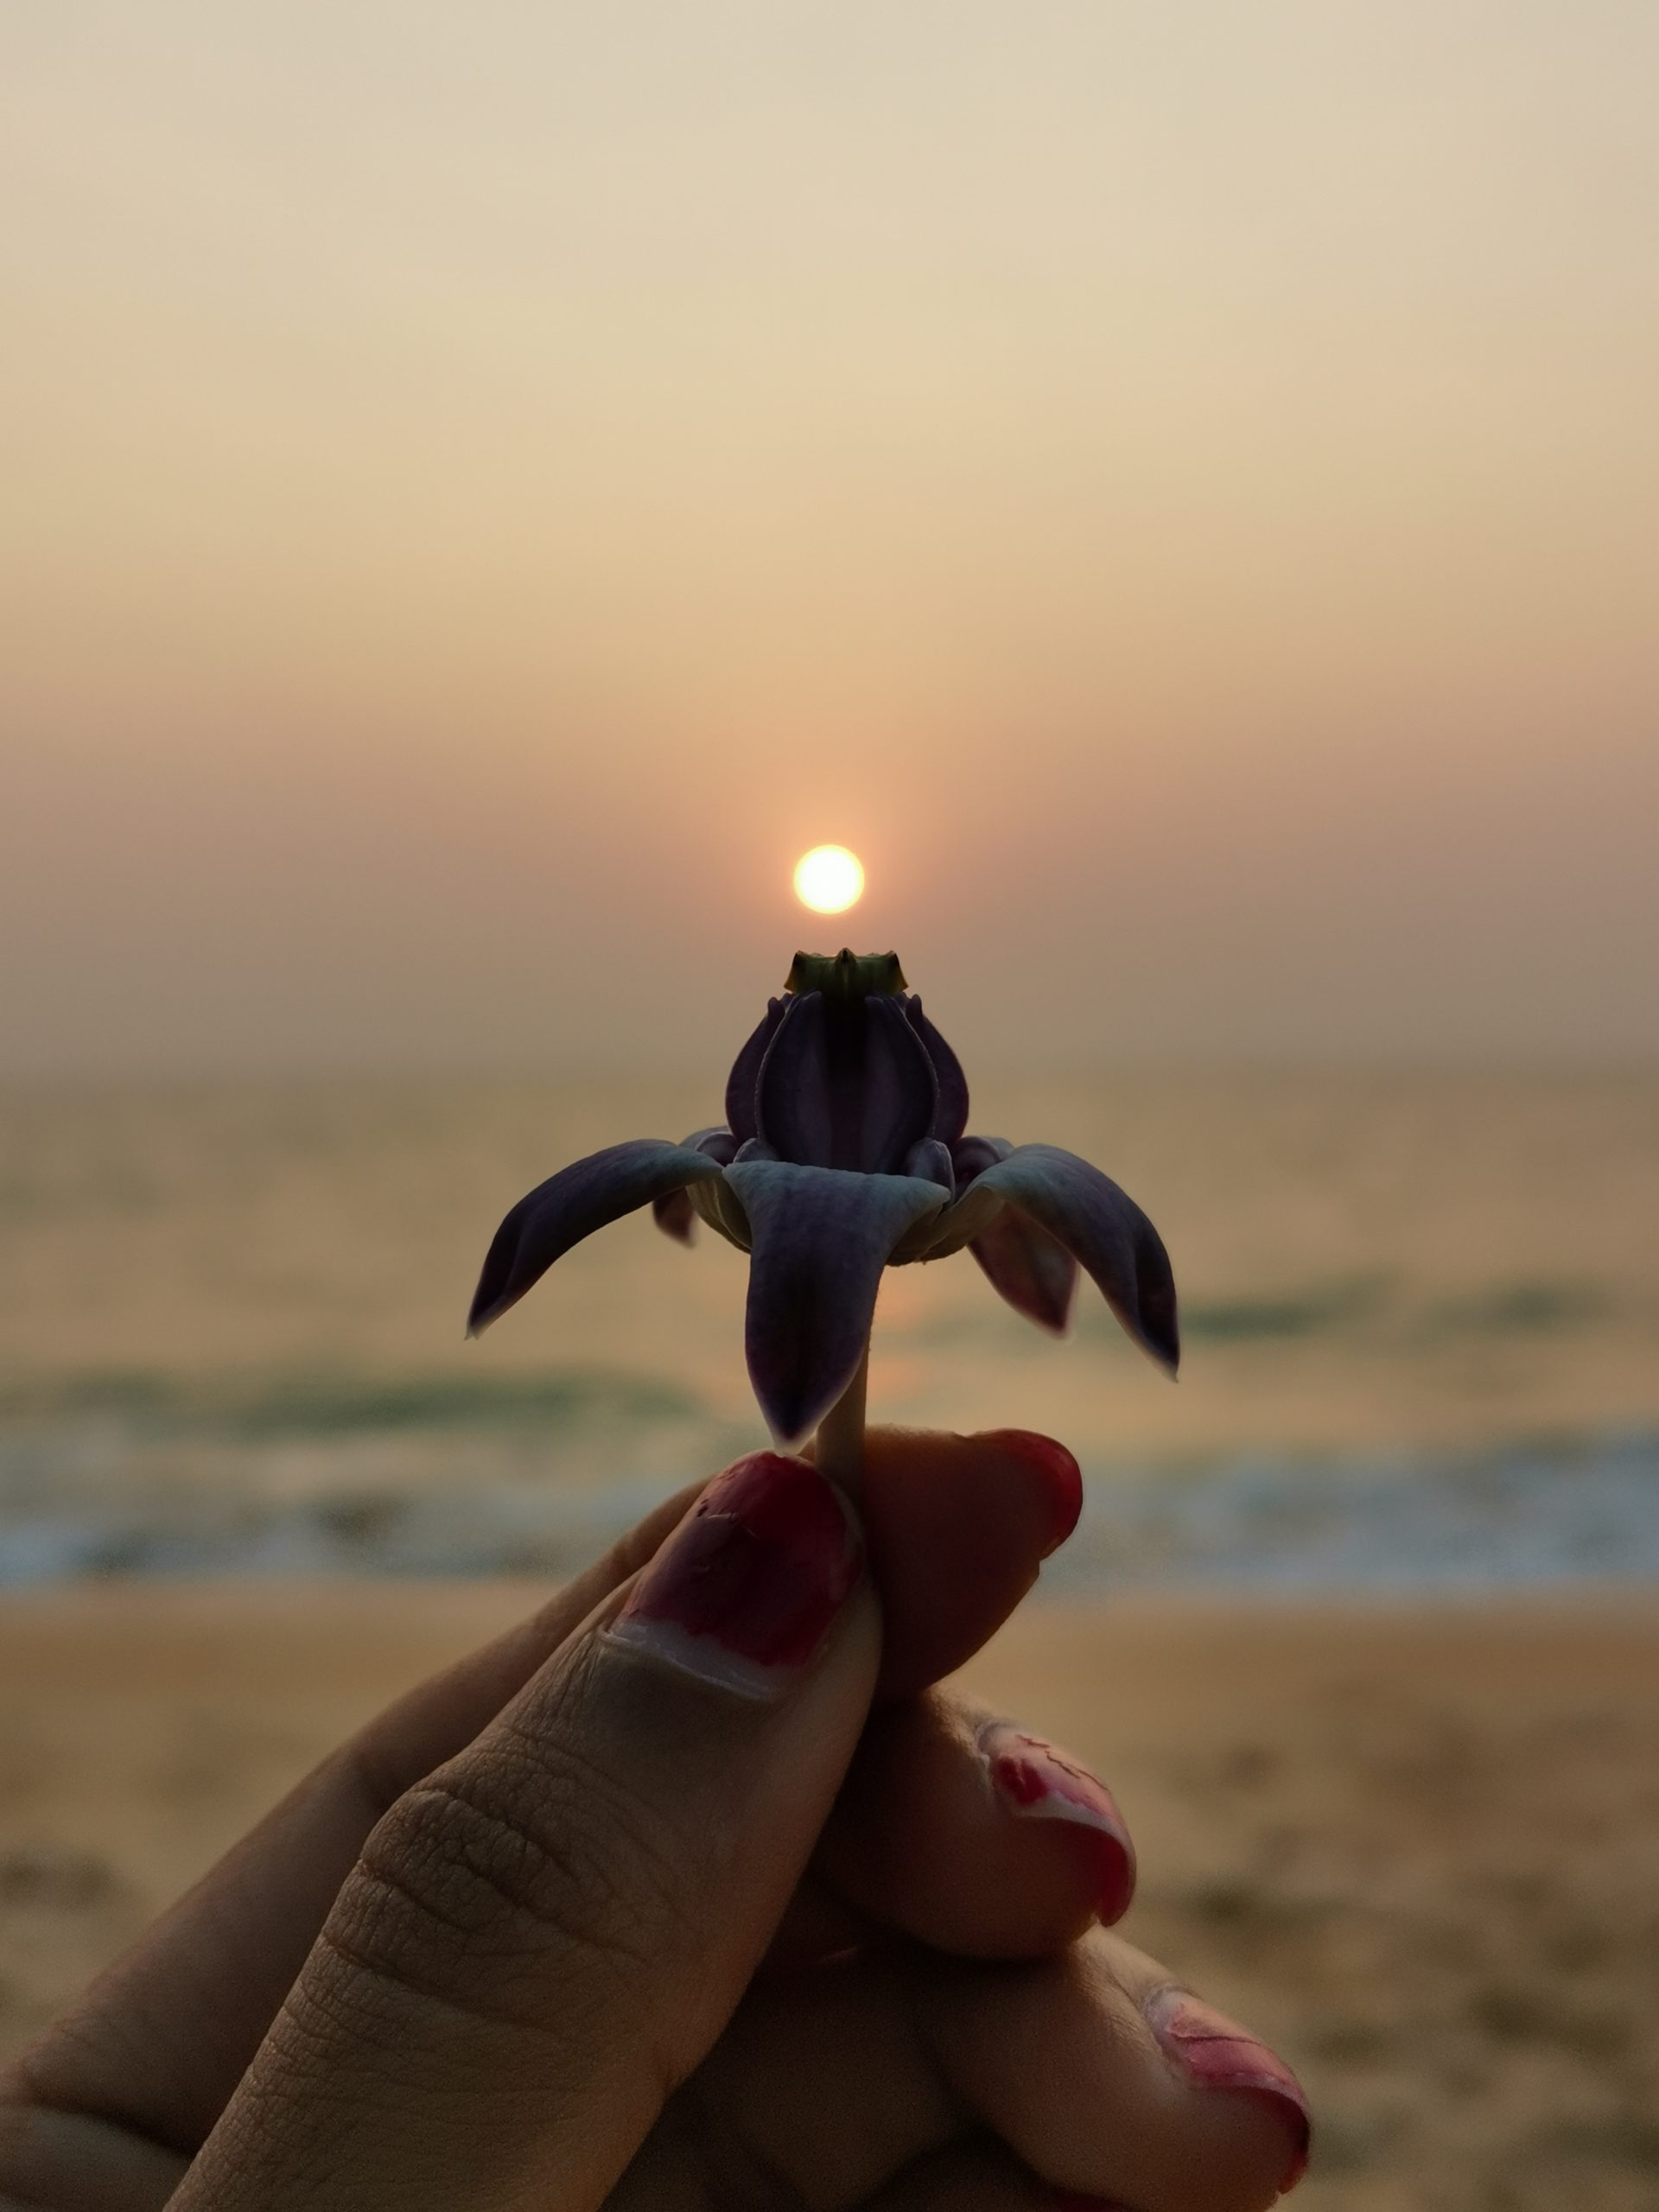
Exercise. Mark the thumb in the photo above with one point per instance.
(542, 1939)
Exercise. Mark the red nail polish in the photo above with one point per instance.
(1062, 1476)
(1038, 1781)
(746, 1590)
(1216, 2053)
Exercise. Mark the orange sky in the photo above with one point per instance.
(1174, 486)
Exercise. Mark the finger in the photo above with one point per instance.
(1104, 2075)
(969, 1834)
(976, 2177)
(158, 2043)
(958, 1527)
(979, 2175)
(545, 1936)
(1098, 2079)
(63, 2161)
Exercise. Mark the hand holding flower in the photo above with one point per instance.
(536, 1940)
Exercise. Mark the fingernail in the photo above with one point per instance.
(1062, 1476)
(744, 1592)
(1037, 1781)
(1216, 2053)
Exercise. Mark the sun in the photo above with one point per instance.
(829, 879)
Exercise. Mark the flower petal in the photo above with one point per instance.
(1032, 1269)
(719, 1205)
(951, 1115)
(673, 1212)
(898, 1092)
(792, 1096)
(1098, 1223)
(676, 1216)
(932, 1160)
(741, 1083)
(820, 1238)
(971, 1156)
(570, 1205)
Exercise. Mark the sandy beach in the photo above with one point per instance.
(1417, 1847)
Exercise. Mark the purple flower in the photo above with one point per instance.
(843, 1151)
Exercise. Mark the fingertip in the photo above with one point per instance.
(1034, 1780)
(974, 1837)
(1214, 2053)
(958, 1528)
(1058, 1476)
(746, 1590)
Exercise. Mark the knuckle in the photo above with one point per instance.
(514, 1865)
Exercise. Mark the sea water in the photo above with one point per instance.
(1420, 1311)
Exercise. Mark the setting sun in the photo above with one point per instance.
(829, 879)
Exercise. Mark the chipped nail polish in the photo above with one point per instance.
(744, 1592)
(1216, 2053)
(1038, 1781)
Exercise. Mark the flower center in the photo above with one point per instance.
(846, 975)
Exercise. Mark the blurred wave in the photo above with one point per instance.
(123, 1475)
(1422, 1314)
(236, 1407)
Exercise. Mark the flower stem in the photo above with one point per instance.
(840, 1445)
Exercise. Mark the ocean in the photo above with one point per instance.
(1420, 1311)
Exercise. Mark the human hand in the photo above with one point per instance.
(689, 1891)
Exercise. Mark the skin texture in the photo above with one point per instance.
(596, 1918)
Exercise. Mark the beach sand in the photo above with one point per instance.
(1417, 1848)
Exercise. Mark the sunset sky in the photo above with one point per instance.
(1175, 487)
